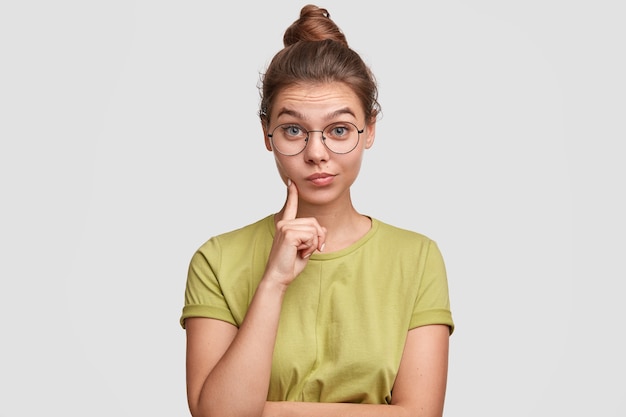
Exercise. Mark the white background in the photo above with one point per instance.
(129, 136)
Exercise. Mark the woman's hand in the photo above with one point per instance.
(295, 240)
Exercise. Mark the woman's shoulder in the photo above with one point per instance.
(399, 234)
(243, 235)
(266, 224)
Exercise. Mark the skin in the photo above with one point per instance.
(228, 369)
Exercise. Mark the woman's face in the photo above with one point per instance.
(321, 176)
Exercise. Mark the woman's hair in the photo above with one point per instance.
(316, 52)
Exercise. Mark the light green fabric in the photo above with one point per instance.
(344, 320)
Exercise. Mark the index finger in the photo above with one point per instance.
(291, 206)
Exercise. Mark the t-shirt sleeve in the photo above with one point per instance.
(203, 293)
(432, 304)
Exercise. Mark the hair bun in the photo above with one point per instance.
(314, 24)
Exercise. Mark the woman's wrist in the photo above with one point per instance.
(272, 284)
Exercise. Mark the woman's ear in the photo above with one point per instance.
(370, 133)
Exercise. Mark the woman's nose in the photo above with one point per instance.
(316, 150)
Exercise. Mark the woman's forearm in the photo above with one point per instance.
(238, 384)
(307, 409)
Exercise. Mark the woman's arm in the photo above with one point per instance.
(419, 389)
(228, 369)
(420, 386)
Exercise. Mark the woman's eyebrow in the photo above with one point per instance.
(289, 112)
(341, 112)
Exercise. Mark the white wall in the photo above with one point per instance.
(129, 136)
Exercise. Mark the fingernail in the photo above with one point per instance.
(288, 182)
(322, 248)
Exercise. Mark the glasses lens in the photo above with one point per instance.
(341, 137)
(289, 139)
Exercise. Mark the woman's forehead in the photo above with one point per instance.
(317, 100)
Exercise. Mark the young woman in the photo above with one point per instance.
(317, 310)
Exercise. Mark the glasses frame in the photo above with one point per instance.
(308, 136)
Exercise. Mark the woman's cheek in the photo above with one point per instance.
(283, 169)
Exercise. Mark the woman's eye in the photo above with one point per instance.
(293, 130)
(339, 131)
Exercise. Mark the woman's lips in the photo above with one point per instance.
(321, 179)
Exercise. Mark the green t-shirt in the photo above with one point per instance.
(344, 319)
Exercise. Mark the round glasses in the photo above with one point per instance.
(290, 138)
